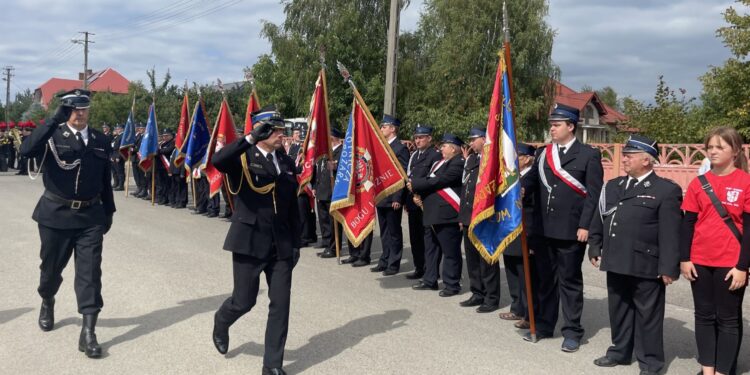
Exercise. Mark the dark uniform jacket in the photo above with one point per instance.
(135, 159)
(116, 141)
(294, 150)
(165, 149)
(402, 154)
(321, 179)
(93, 175)
(469, 179)
(637, 233)
(563, 210)
(420, 167)
(436, 209)
(531, 219)
(260, 220)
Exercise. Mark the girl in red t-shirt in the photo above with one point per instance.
(713, 259)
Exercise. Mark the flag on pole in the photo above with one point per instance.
(496, 219)
(317, 142)
(253, 105)
(368, 171)
(178, 156)
(224, 134)
(127, 140)
(150, 142)
(197, 140)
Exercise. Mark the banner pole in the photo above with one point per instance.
(153, 180)
(128, 165)
(192, 185)
(524, 244)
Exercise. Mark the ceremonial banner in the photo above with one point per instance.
(178, 156)
(317, 142)
(496, 218)
(224, 133)
(252, 105)
(127, 140)
(368, 171)
(198, 138)
(150, 142)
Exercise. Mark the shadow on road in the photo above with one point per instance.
(329, 344)
(8, 315)
(153, 321)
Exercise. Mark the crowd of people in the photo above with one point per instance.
(628, 224)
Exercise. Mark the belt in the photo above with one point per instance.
(73, 204)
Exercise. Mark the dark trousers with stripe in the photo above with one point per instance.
(57, 247)
(447, 246)
(561, 285)
(417, 239)
(484, 278)
(391, 237)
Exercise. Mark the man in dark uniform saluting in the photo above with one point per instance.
(569, 176)
(419, 166)
(265, 232)
(75, 211)
(632, 238)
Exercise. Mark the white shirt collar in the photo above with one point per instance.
(567, 145)
(640, 179)
(84, 132)
(390, 140)
(336, 147)
(265, 153)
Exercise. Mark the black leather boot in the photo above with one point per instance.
(87, 342)
(47, 314)
(220, 335)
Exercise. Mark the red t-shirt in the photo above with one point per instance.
(714, 244)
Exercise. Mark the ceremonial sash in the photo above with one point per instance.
(447, 194)
(164, 162)
(553, 160)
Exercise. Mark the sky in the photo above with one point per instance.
(623, 44)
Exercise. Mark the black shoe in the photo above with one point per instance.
(606, 362)
(484, 308)
(220, 336)
(328, 254)
(212, 214)
(377, 268)
(178, 206)
(87, 342)
(415, 275)
(119, 188)
(319, 245)
(448, 293)
(389, 272)
(349, 260)
(198, 212)
(47, 315)
(539, 336)
(273, 371)
(226, 215)
(422, 286)
(474, 300)
(361, 263)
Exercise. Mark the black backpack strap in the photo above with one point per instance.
(720, 207)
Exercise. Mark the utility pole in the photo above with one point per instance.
(85, 43)
(389, 105)
(8, 69)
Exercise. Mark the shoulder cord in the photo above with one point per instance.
(270, 188)
(50, 146)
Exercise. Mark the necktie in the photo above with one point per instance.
(561, 150)
(79, 137)
(630, 184)
(269, 156)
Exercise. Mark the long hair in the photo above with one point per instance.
(733, 138)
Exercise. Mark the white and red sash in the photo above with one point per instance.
(553, 160)
(164, 161)
(447, 194)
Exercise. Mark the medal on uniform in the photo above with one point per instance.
(647, 184)
(66, 134)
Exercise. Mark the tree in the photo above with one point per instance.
(609, 96)
(726, 89)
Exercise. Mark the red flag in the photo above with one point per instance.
(368, 171)
(223, 134)
(317, 141)
(182, 132)
(253, 104)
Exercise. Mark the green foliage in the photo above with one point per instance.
(670, 119)
(726, 88)
(609, 96)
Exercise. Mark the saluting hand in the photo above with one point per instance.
(262, 132)
(738, 278)
(688, 271)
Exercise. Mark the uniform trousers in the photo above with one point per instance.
(516, 277)
(326, 222)
(561, 285)
(307, 218)
(416, 239)
(391, 237)
(163, 186)
(718, 318)
(636, 316)
(118, 167)
(246, 272)
(363, 250)
(448, 247)
(484, 278)
(179, 191)
(57, 247)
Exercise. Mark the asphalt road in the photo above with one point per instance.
(164, 274)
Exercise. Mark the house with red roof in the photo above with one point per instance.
(101, 81)
(598, 121)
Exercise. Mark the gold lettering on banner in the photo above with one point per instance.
(359, 219)
(502, 215)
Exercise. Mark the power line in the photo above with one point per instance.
(85, 43)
